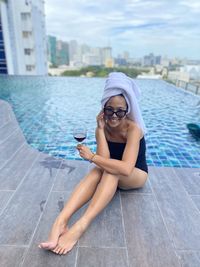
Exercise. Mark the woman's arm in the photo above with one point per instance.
(126, 165)
(119, 167)
(102, 145)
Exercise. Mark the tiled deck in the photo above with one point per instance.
(157, 226)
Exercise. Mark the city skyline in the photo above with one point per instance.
(139, 27)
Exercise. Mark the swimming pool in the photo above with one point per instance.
(47, 110)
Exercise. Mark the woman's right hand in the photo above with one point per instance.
(100, 120)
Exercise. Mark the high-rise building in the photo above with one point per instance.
(106, 54)
(23, 49)
(62, 53)
(73, 49)
(52, 49)
(151, 60)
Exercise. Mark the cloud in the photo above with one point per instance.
(134, 25)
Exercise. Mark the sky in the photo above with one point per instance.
(164, 27)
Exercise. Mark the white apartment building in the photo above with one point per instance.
(192, 70)
(22, 24)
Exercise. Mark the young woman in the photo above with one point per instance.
(119, 161)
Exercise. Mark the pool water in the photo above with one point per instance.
(48, 108)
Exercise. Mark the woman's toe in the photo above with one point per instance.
(65, 251)
(59, 250)
(62, 251)
(56, 249)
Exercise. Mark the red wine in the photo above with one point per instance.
(79, 137)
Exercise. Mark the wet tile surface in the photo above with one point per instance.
(16, 169)
(38, 257)
(158, 225)
(69, 175)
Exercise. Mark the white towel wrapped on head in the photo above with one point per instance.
(118, 83)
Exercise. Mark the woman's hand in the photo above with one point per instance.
(100, 120)
(84, 152)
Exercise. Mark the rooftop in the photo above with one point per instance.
(158, 225)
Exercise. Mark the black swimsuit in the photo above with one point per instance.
(116, 151)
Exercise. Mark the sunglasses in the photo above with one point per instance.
(120, 113)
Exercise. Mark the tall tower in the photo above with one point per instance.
(107, 56)
(23, 39)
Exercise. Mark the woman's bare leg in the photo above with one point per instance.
(81, 195)
(137, 179)
(102, 196)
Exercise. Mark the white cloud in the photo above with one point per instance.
(135, 25)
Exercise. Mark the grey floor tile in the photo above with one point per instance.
(10, 146)
(38, 257)
(26, 206)
(4, 198)
(102, 257)
(190, 178)
(179, 212)
(196, 200)
(14, 170)
(4, 113)
(70, 174)
(189, 258)
(11, 256)
(7, 130)
(106, 230)
(147, 239)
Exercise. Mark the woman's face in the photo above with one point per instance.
(115, 103)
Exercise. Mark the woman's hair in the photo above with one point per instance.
(117, 95)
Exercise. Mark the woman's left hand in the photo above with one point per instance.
(84, 152)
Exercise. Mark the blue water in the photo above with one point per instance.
(48, 108)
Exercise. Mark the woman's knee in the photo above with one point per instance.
(109, 176)
(136, 180)
(94, 174)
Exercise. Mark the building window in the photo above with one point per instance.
(26, 34)
(25, 15)
(28, 51)
(30, 67)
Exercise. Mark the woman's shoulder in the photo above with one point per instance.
(134, 128)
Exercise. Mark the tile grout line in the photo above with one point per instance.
(17, 246)
(189, 250)
(1, 167)
(6, 190)
(189, 196)
(134, 193)
(76, 259)
(104, 247)
(4, 124)
(15, 191)
(123, 225)
(13, 132)
(39, 219)
(165, 224)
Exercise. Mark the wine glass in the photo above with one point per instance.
(80, 133)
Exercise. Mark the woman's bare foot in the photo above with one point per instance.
(67, 241)
(57, 230)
